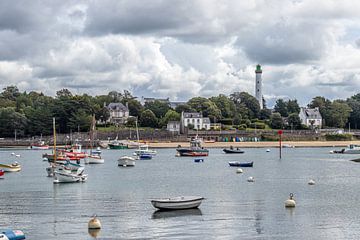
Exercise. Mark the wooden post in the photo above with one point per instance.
(280, 132)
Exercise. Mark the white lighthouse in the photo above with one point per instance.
(258, 85)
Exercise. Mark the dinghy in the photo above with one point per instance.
(177, 203)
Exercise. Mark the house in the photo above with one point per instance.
(311, 117)
(195, 119)
(173, 126)
(118, 113)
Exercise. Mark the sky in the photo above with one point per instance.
(182, 48)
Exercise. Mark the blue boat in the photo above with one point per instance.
(239, 164)
(12, 235)
(145, 156)
(198, 160)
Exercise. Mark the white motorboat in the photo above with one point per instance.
(126, 161)
(351, 149)
(144, 149)
(94, 159)
(177, 203)
(62, 175)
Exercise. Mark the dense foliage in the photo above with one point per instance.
(31, 113)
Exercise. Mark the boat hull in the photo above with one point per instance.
(126, 162)
(177, 203)
(232, 151)
(64, 177)
(10, 167)
(114, 146)
(34, 147)
(94, 160)
(193, 153)
(239, 164)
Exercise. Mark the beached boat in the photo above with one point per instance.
(177, 203)
(195, 149)
(126, 161)
(14, 167)
(12, 235)
(232, 150)
(63, 175)
(240, 164)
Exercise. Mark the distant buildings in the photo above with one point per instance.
(118, 113)
(173, 126)
(310, 117)
(173, 105)
(195, 119)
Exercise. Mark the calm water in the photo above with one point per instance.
(233, 209)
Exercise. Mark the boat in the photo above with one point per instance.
(63, 175)
(240, 164)
(12, 235)
(198, 160)
(126, 161)
(195, 149)
(14, 167)
(2, 172)
(145, 156)
(39, 146)
(96, 151)
(144, 149)
(232, 150)
(93, 157)
(116, 144)
(351, 149)
(177, 203)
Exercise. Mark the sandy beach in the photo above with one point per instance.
(257, 144)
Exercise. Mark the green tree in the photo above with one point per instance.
(294, 121)
(339, 114)
(293, 107)
(354, 104)
(246, 104)
(159, 108)
(10, 93)
(264, 114)
(10, 120)
(171, 115)
(225, 105)
(148, 119)
(276, 121)
(184, 108)
(281, 107)
(80, 120)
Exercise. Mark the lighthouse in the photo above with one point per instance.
(258, 85)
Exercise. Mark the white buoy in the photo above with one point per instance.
(251, 179)
(94, 223)
(17, 155)
(290, 203)
(13, 153)
(267, 150)
(311, 182)
(239, 170)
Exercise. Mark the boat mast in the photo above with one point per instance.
(137, 131)
(54, 130)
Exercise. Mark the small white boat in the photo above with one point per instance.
(62, 175)
(126, 161)
(14, 167)
(94, 159)
(144, 149)
(177, 203)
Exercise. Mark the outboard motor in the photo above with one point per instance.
(12, 235)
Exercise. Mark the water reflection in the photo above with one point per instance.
(94, 232)
(178, 213)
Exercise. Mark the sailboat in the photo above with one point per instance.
(64, 174)
(144, 148)
(93, 157)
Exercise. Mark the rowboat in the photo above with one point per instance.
(177, 203)
(62, 175)
(239, 164)
(14, 167)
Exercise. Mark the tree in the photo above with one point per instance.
(339, 114)
(64, 93)
(148, 119)
(281, 107)
(246, 105)
(293, 107)
(264, 114)
(135, 107)
(171, 115)
(184, 108)
(206, 107)
(10, 120)
(225, 105)
(294, 121)
(354, 104)
(80, 120)
(276, 121)
(159, 108)
(10, 93)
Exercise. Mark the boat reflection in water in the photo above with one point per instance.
(178, 213)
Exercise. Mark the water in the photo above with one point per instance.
(233, 208)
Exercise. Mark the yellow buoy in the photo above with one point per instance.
(94, 223)
(239, 170)
(311, 182)
(290, 202)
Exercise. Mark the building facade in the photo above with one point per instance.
(118, 113)
(195, 119)
(311, 117)
(173, 126)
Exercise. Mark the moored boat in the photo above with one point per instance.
(240, 164)
(195, 149)
(145, 156)
(144, 149)
(126, 161)
(14, 167)
(232, 150)
(94, 159)
(177, 203)
(1, 173)
(62, 175)
(39, 146)
(12, 235)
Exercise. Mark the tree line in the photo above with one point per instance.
(30, 114)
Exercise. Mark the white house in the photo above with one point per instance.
(173, 126)
(118, 113)
(195, 119)
(310, 117)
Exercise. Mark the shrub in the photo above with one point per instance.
(338, 137)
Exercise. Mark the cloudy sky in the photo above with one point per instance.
(182, 48)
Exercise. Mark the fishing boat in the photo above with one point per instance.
(116, 144)
(195, 149)
(177, 203)
(39, 146)
(232, 150)
(12, 235)
(145, 156)
(240, 164)
(126, 161)
(14, 167)
(63, 175)
(144, 149)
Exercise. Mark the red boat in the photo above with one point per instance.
(1, 173)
